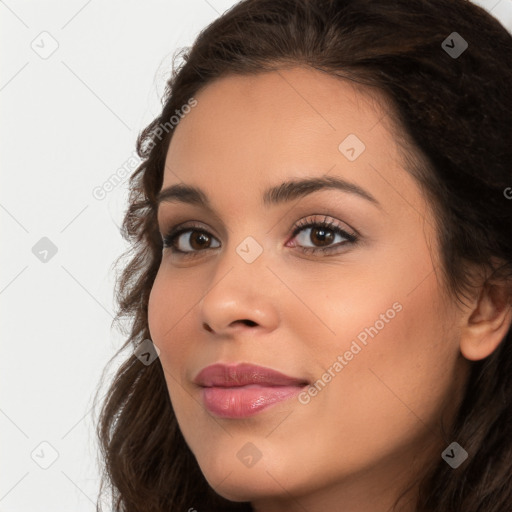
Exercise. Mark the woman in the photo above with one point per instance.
(322, 254)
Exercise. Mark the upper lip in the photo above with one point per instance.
(235, 375)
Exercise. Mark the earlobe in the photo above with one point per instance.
(488, 323)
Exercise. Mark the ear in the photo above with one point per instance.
(488, 322)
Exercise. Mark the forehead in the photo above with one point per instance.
(251, 131)
(298, 104)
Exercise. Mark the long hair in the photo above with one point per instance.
(453, 120)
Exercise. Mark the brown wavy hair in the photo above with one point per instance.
(453, 120)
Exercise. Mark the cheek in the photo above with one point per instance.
(173, 322)
(398, 353)
(169, 316)
(168, 305)
(158, 305)
(171, 299)
(398, 367)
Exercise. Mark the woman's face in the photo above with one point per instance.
(365, 323)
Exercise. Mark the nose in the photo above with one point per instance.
(245, 321)
(242, 296)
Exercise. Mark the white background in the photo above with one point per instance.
(68, 123)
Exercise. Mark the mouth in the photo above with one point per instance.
(243, 390)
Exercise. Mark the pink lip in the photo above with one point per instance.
(239, 391)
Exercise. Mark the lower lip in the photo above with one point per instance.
(245, 401)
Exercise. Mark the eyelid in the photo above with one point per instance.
(293, 229)
(183, 226)
(351, 236)
(180, 228)
(327, 220)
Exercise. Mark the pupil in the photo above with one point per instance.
(198, 238)
(325, 239)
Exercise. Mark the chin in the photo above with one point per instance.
(235, 482)
(247, 487)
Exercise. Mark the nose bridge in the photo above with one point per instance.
(244, 259)
(240, 287)
(246, 245)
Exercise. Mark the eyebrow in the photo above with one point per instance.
(286, 191)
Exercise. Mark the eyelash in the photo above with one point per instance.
(175, 232)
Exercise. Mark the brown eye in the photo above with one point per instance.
(189, 241)
(321, 236)
(199, 240)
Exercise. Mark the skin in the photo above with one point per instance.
(357, 443)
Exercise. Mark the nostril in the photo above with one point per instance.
(248, 322)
